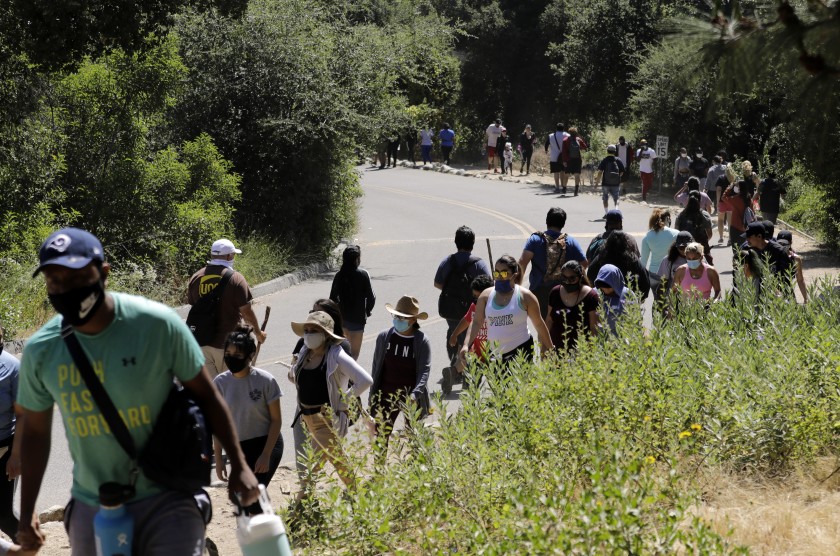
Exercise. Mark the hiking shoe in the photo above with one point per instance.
(564, 191)
(446, 383)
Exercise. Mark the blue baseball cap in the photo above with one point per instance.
(70, 248)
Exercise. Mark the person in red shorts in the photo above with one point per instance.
(645, 155)
(455, 373)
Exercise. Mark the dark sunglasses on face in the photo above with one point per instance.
(569, 279)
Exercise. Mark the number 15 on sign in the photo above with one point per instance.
(661, 146)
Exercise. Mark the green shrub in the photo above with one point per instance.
(596, 453)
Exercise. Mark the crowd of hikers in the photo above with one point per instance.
(572, 293)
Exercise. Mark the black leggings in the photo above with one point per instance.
(8, 519)
(253, 448)
(526, 160)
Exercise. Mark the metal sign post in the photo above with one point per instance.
(661, 153)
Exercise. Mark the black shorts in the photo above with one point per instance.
(556, 167)
(574, 165)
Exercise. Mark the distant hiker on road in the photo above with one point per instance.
(645, 155)
(526, 146)
(492, 133)
(573, 147)
(410, 136)
(610, 172)
(769, 196)
(548, 251)
(352, 290)
(447, 143)
(508, 156)
(426, 135)
(136, 347)
(624, 152)
(681, 168)
(454, 278)
(393, 150)
(699, 168)
(501, 142)
(234, 304)
(554, 148)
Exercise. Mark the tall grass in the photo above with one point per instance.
(602, 452)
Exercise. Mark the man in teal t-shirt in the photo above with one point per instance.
(136, 347)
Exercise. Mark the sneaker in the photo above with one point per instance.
(446, 383)
(564, 191)
(720, 241)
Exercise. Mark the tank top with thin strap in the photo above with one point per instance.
(702, 287)
(507, 326)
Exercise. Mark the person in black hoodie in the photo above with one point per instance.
(620, 250)
(352, 291)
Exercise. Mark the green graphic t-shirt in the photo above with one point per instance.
(136, 357)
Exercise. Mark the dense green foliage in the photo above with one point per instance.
(598, 453)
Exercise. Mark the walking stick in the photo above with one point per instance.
(262, 328)
(489, 252)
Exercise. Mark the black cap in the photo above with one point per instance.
(755, 228)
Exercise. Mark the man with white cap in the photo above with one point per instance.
(234, 303)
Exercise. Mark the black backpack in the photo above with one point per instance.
(456, 294)
(612, 173)
(203, 318)
(574, 148)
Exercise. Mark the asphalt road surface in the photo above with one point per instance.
(407, 223)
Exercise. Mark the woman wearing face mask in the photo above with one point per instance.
(253, 397)
(402, 361)
(322, 374)
(668, 268)
(506, 308)
(739, 197)
(331, 308)
(696, 279)
(573, 305)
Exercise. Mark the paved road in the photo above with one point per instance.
(408, 220)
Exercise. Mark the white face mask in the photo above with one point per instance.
(736, 189)
(313, 340)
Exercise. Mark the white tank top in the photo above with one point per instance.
(507, 327)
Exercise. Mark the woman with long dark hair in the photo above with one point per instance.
(572, 306)
(526, 145)
(620, 250)
(696, 221)
(352, 291)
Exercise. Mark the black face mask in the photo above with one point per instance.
(78, 305)
(572, 287)
(235, 364)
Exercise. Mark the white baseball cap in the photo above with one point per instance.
(223, 247)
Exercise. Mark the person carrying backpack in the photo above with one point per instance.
(696, 221)
(215, 314)
(453, 278)
(610, 172)
(549, 250)
(573, 147)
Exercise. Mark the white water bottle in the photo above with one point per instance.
(262, 534)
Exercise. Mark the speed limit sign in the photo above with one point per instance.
(661, 146)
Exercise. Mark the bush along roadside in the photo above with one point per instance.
(598, 453)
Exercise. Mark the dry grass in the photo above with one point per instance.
(796, 515)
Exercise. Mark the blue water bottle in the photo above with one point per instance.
(112, 525)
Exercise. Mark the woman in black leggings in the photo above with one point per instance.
(526, 145)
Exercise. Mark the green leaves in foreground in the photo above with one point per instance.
(596, 454)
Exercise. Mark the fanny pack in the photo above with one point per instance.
(179, 451)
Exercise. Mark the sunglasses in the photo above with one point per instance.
(569, 279)
(502, 274)
(398, 317)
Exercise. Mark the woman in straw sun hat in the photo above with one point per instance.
(322, 374)
(402, 360)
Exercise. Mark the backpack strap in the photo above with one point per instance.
(217, 291)
(100, 396)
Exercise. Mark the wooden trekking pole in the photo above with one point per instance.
(489, 252)
(262, 328)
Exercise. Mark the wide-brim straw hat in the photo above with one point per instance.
(407, 307)
(321, 320)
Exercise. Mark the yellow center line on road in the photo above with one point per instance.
(520, 225)
(371, 336)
